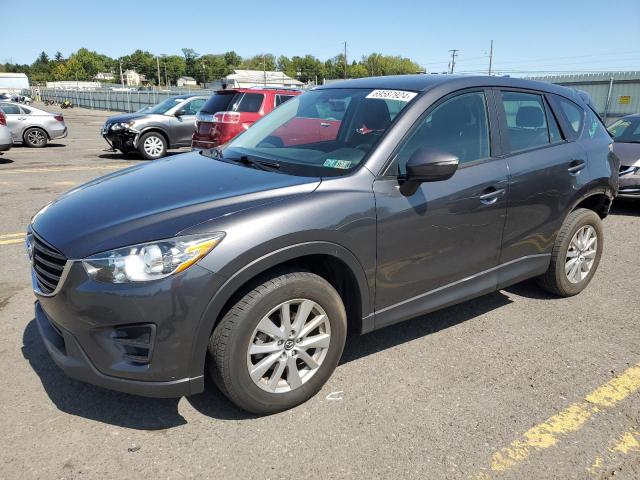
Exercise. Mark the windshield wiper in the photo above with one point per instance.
(259, 164)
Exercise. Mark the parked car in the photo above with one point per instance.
(626, 137)
(31, 126)
(6, 141)
(256, 258)
(14, 97)
(153, 131)
(228, 113)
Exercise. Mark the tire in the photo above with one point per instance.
(35, 138)
(564, 278)
(230, 360)
(152, 146)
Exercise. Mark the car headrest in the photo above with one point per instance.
(529, 117)
(376, 114)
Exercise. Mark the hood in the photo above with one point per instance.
(158, 200)
(629, 153)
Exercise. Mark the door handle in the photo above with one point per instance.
(575, 166)
(491, 195)
(22, 118)
(325, 124)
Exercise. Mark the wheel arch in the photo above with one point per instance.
(155, 129)
(31, 127)
(599, 200)
(333, 262)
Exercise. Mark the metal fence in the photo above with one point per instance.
(119, 101)
(614, 94)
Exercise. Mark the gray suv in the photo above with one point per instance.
(152, 131)
(351, 207)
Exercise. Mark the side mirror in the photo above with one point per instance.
(428, 165)
(180, 112)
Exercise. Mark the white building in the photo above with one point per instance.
(131, 78)
(186, 82)
(254, 78)
(13, 82)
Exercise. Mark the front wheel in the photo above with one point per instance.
(152, 146)
(278, 345)
(576, 254)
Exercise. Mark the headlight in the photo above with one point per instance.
(122, 125)
(150, 261)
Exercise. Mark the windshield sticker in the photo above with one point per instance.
(400, 95)
(333, 163)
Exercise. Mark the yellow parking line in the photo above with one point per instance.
(11, 242)
(571, 419)
(628, 442)
(11, 235)
(65, 169)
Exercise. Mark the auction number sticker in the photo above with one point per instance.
(342, 164)
(400, 95)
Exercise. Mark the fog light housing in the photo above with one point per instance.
(135, 342)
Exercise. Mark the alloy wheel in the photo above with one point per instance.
(36, 137)
(288, 346)
(581, 254)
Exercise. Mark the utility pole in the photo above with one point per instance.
(204, 75)
(158, 65)
(490, 57)
(121, 77)
(345, 60)
(454, 54)
(264, 70)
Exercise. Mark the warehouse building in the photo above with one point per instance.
(614, 94)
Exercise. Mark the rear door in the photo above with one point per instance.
(545, 165)
(15, 120)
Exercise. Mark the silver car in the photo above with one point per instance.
(151, 131)
(31, 126)
(626, 138)
(5, 138)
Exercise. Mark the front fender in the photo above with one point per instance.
(237, 279)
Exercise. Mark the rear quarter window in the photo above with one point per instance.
(573, 114)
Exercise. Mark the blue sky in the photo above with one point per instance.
(543, 35)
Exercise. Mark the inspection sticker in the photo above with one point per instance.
(400, 95)
(333, 163)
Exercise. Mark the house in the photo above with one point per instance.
(254, 78)
(186, 82)
(131, 78)
(104, 77)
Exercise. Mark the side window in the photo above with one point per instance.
(280, 99)
(573, 113)
(459, 126)
(10, 109)
(554, 129)
(595, 128)
(526, 120)
(194, 106)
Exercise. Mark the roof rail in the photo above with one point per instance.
(261, 87)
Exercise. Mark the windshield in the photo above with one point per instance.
(625, 130)
(164, 107)
(324, 132)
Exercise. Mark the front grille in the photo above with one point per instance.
(48, 264)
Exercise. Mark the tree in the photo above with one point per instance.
(190, 57)
(264, 61)
(58, 57)
(175, 67)
(232, 59)
(215, 66)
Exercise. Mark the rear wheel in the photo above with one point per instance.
(576, 254)
(279, 343)
(35, 138)
(152, 146)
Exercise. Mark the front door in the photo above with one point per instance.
(184, 125)
(447, 231)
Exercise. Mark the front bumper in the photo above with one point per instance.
(629, 184)
(82, 324)
(67, 353)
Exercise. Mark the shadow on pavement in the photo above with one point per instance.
(626, 206)
(5, 161)
(84, 400)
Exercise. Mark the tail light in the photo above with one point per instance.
(3, 119)
(226, 117)
(59, 118)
